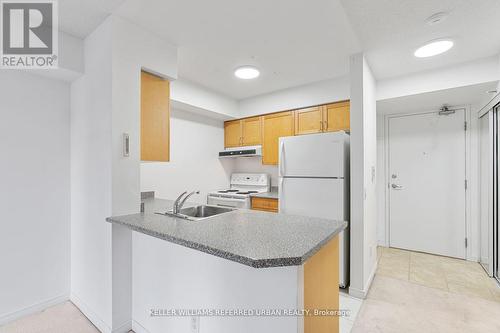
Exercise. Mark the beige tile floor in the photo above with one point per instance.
(61, 318)
(448, 274)
(415, 292)
(411, 292)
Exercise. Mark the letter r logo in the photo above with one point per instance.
(27, 27)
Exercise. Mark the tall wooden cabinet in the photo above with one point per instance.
(275, 126)
(155, 118)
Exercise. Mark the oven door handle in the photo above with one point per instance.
(228, 199)
(228, 206)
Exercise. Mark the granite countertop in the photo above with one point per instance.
(253, 238)
(273, 194)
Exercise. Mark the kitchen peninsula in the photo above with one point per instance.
(239, 260)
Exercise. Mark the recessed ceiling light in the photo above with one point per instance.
(246, 72)
(437, 18)
(434, 48)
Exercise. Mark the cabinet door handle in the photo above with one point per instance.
(321, 125)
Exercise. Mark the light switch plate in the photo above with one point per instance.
(126, 145)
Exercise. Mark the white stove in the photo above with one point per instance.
(241, 186)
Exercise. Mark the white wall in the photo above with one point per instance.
(106, 104)
(34, 195)
(91, 102)
(381, 182)
(307, 95)
(195, 142)
(316, 93)
(192, 97)
(370, 173)
(466, 74)
(170, 276)
(254, 165)
(70, 59)
(363, 176)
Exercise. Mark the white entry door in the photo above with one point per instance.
(427, 183)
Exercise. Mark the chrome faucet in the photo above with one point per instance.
(179, 202)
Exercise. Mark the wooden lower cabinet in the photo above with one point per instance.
(321, 288)
(265, 204)
(275, 126)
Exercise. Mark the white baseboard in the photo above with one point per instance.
(91, 315)
(382, 242)
(138, 328)
(124, 328)
(354, 292)
(37, 307)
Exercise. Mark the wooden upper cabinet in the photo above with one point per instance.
(337, 117)
(309, 120)
(232, 133)
(275, 126)
(251, 131)
(243, 132)
(267, 129)
(155, 118)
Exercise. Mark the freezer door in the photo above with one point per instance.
(314, 155)
(323, 198)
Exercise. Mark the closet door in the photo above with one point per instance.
(486, 190)
(496, 232)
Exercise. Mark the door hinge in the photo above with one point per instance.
(466, 184)
(466, 242)
(465, 126)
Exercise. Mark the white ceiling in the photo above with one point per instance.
(295, 42)
(391, 30)
(80, 17)
(475, 95)
(291, 41)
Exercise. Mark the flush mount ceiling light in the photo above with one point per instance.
(434, 48)
(246, 72)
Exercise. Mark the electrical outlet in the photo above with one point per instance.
(195, 324)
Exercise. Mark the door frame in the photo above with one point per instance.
(471, 237)
(489, 110)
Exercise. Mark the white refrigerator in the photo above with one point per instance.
(314, 181)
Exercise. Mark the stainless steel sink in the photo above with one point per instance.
(197, 213)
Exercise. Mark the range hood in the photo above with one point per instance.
(253, 151)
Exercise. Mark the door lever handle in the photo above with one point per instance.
(397, 187)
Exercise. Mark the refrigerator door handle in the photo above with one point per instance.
(282, 159)
(281, 200)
